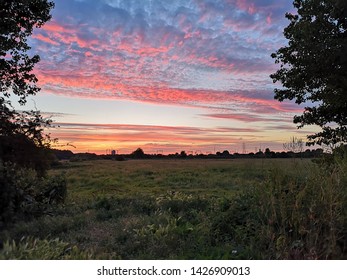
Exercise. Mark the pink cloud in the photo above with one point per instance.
(102, 87)
(249, 118)
(247, 5)
(55, 27)
(142, 50)
(65, 34)
(45, 39)
(268, 19)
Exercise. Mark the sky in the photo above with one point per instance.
(163, 75)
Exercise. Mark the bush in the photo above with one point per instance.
(53, 190)
(25, 153)
(22, 192)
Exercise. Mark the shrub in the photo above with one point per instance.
(22, 192)
(53, 190)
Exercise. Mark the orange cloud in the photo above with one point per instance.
(98, 137)
(168, 139)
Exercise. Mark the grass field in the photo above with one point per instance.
(189, 209)
(155, 177)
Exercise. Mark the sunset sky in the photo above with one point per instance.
(165, 76)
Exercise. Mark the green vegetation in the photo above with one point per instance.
(190, 209)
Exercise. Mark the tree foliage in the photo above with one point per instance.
(313, 67)
(22, 137)
(17, 21)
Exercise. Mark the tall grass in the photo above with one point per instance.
(294, 216)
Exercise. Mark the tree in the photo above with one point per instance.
(21, 130)
(23, 141)
(139, 153)
(268, 153)
(313, 67)
(23, 144)
(183, 154)
(18, 18)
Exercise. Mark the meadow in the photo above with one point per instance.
(190, 209)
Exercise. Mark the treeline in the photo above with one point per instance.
(140, 154)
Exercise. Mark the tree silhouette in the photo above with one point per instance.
(313, 67)
(139, 153)
(17, 21)
(20, 130)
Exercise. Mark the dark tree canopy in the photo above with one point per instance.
(21, 133)
(17, 21)
(313, 67)
(139, 153)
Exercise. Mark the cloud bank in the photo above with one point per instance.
(176, 52)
